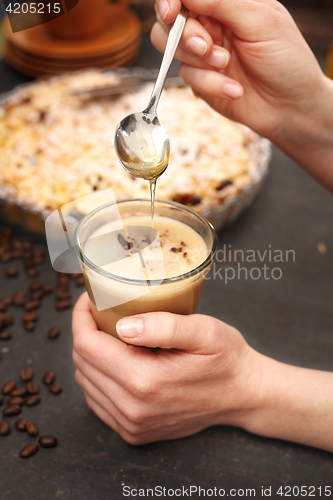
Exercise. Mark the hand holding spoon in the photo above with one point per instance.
(141, 141)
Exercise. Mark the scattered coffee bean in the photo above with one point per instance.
(27, 245)
(6, 257)
(17, 245)
(19, 391)
(35, 285)
(6, 319)
(20, 298)
(80, 281)
(48, 441)
(29, 451)
(32, 400)
(54, 333)
(63, 280)
(49, 377)
(55, 388)
(4, 428)
(26, 374)
(32, 388)
(3, 306)
(63, 304)
(37, 295)
(30, 326)
(47, 289)
(17, 254)
(32, 429)
(75, 275)
(20, 424)
(11, 272)
(11, 411)
(31, 305)
(15, 400)
(5, 336)
(1, 400)
(29, 316)
(62, 294)
(32, 272)
(7, 300)
(8, 387)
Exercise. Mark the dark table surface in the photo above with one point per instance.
(289, 319)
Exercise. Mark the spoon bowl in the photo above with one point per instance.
(142, 145)
(141, 141)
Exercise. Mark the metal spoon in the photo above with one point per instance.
(141, 141)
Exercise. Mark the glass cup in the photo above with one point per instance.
(179, 294)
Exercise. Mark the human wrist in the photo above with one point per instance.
(305, 131)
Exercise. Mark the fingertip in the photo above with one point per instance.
(233, 91)
(218, 58)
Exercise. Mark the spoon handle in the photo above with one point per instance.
(171, 46)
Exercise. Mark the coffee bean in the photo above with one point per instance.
(80, 281)
(1, 400)
(4, 428)
(30, 326)
(15, 400)
(10, 411)
(48, 441)
(35, 285)
(6, 257)
(8, 387)
(29, 451)
(32, 400)
(49, 377)
(17, 245)
(47, 289)
(5, 336)
(32, 429)
(6, 318)
(63, 304)
(32, 388)
(37, 295)
(19, 391)
(63, 279)
(39, 253)
(20, 298)
(17, 254)
(26, 374)
(31, 305)
(3, 306)
(62, 294)
(11, 272)
(7, 300)
(53, 333)
(32, 272)
(29, 316)
(27, 245)
(20, 424)
(55, 388)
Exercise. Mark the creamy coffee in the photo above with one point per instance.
(120, 249)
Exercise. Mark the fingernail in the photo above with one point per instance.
(129, 327)
(233, 91)
(218, 59)
(197, 45)
(163, 8)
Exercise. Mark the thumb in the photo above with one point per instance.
(195, 332)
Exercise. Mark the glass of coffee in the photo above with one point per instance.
(134, 265)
